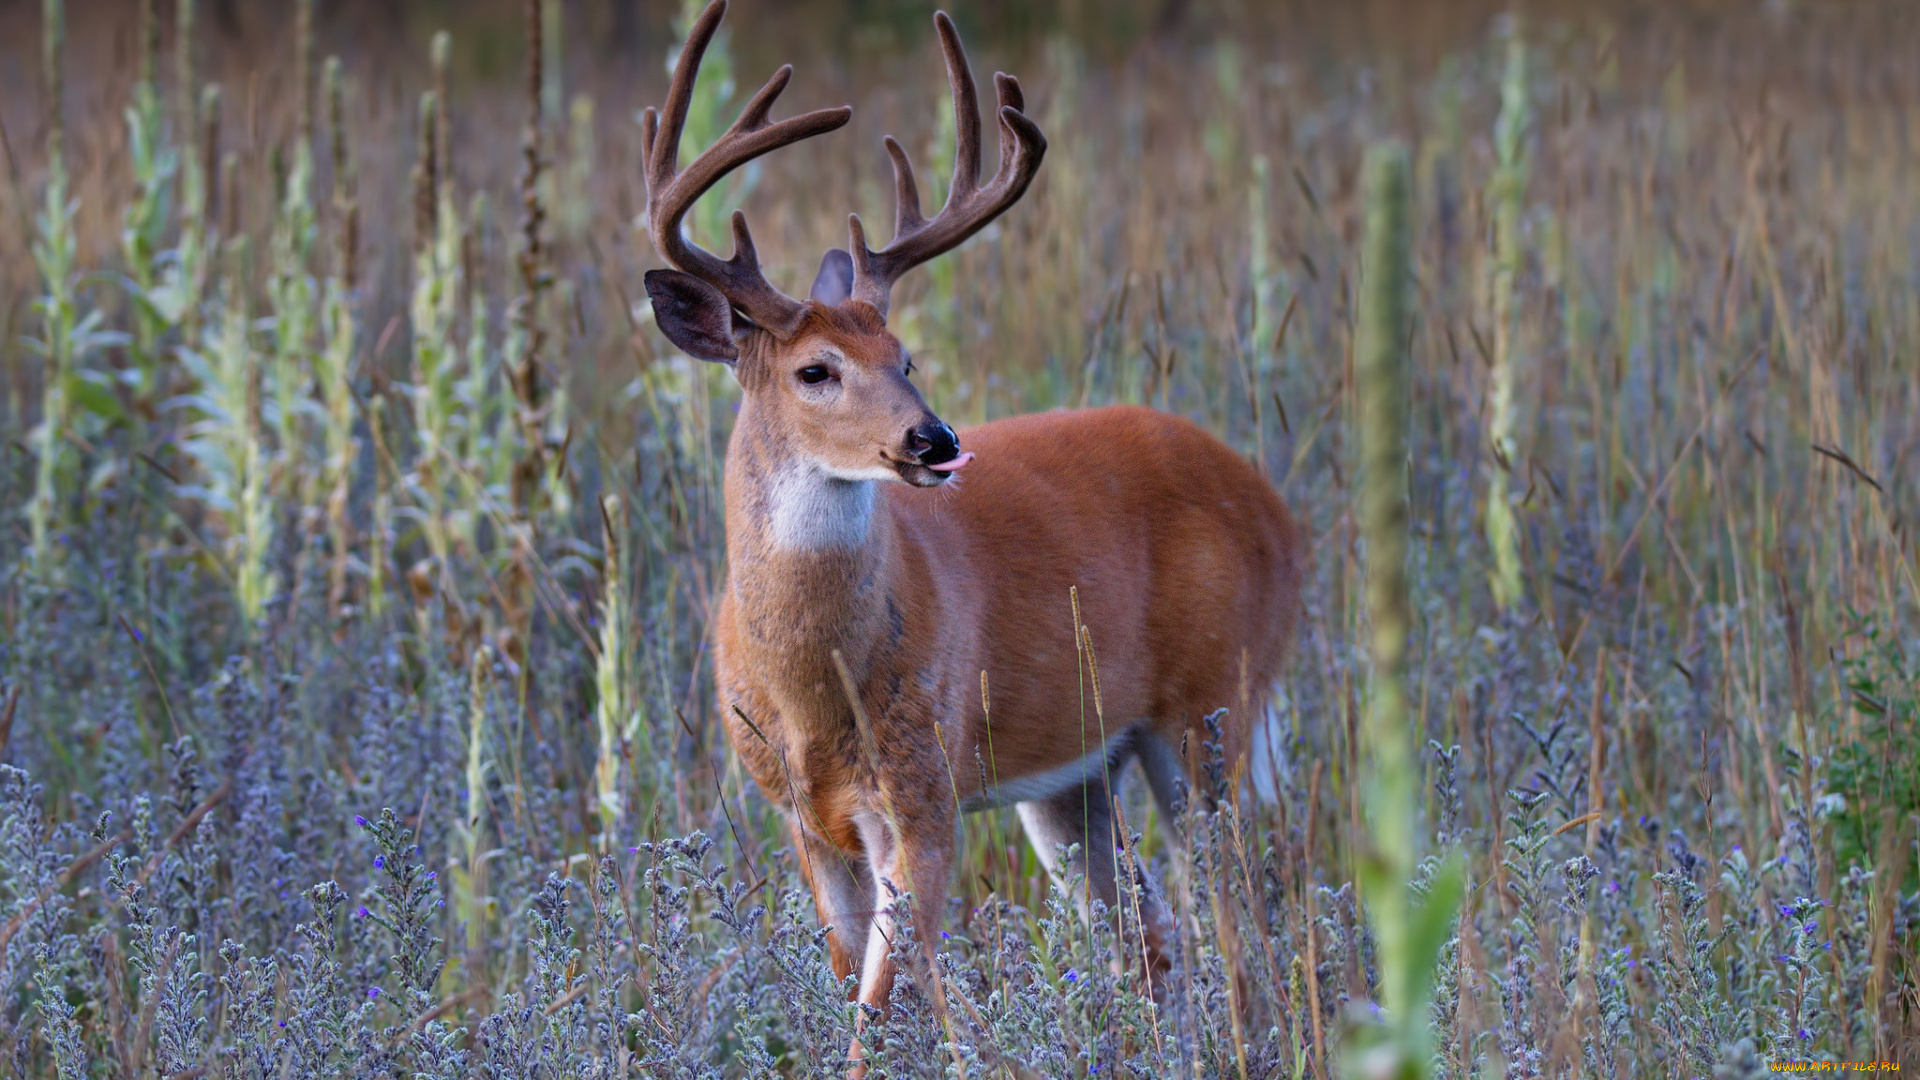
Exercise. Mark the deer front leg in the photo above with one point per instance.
(919, 863)
(843, 890)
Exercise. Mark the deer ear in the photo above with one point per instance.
(693, 315)
(834, 283)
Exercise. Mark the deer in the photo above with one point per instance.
(892, 645)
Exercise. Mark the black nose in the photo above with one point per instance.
(933, 443)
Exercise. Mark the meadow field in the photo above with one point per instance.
(359, 534)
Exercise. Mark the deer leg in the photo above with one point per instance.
(920, 863)
(1080, 815)
(1084, 815)
(1166, 778)
(842, 887)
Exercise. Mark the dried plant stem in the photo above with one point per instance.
(292, 293)
(200, 175)
(303, 69)
(613, 709)
(1509, 189)
(528, 334)
(335, 360)
(470, 878)
(440, 58)
(1587, 994)
(237, 428)
(54, 254)
(380, 533)
(435, 291)
(186, 95)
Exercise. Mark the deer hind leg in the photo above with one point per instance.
(842, 887)
(1166, 777)
(1083, 815)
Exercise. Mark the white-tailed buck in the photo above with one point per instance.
(858, 565)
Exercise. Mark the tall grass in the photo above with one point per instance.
(342, 490)
(334, 361)
(53, 256)
(1410, 936)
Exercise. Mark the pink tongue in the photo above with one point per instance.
(955, 465)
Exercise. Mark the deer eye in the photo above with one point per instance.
(815, 374)
(909, 365)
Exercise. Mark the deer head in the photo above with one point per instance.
(824, 375)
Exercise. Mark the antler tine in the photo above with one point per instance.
(906, 191)
(966, 111)
(743, 249)
(754, 116)
(969, 206)
(664, 158)
(1021, 143)
(1008, 88)
(671, 191)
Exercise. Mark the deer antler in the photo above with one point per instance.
(672, 191)
(969, 206)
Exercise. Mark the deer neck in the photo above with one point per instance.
(808, 573)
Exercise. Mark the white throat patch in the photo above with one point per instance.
(811, 509)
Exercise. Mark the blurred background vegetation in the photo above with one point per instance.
(343, 470)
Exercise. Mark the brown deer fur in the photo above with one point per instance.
(852, 532)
